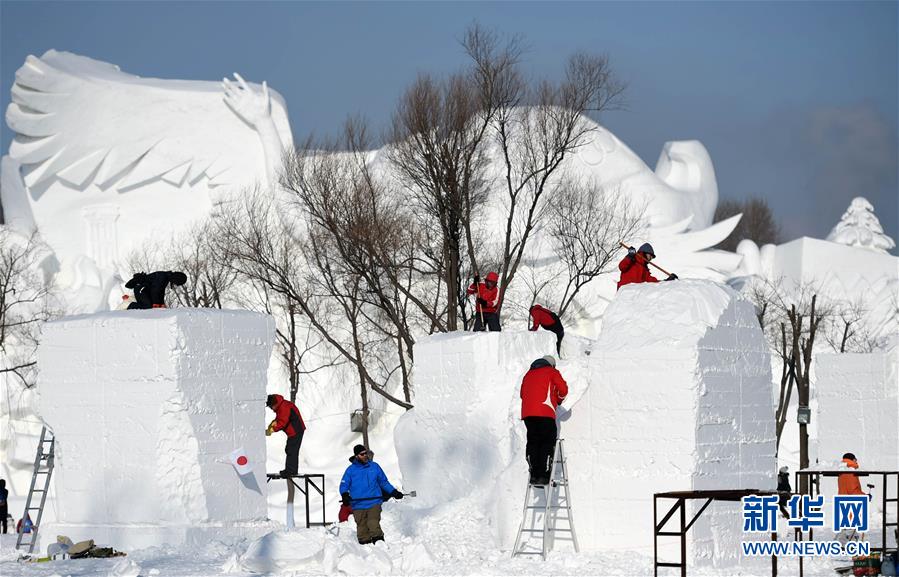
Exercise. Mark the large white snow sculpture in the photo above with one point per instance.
(146, 407)
(860, 227)
(681, 400)
(108, 160)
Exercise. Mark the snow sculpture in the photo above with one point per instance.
(103, 161)
(678, 398)
(860, 227)
(146, 407)
(466, 415)
(681, 400)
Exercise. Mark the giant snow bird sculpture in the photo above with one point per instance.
(104, 162)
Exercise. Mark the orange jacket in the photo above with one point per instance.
(847, 483)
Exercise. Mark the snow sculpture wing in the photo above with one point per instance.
(84, 122)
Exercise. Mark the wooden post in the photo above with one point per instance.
(290, 491)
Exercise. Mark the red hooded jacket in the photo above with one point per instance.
(542, 389)
(634, 271)
(491, 295)
(541, 317)
(285, 419)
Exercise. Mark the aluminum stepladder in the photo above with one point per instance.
(556, 500)
(40, 485)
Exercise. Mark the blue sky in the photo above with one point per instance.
(796, 101)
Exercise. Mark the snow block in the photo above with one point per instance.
(858, 404)
(464, 439)
(146, 407)
(674, 395)
(681, 401)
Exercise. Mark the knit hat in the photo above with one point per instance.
(550, 359)
(359, 449)
(647, 248)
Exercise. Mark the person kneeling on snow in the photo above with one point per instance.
(363, 487)
(635, 266)
(550, 321)
(289, 420)
(149, 289)
(542, 390)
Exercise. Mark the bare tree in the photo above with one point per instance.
(211, 281)
(299, 266)
(439, 135)
(848, 331)
(534, 141)
(26, 302)
(586, 225)
(758, 222)
(792, 317)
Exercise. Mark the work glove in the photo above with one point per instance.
(396, 495)
(270, 430)
(632, 254)
(477, 279)
(345, 498)
(482, 302)
(672, 276)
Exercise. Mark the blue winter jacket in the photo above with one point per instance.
(365, 483)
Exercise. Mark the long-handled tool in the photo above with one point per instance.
(648, 262)
(477, 309)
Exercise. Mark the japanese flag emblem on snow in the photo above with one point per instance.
(241, 462)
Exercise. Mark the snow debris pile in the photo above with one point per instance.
(147, 407)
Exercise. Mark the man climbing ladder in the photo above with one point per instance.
(542, 390)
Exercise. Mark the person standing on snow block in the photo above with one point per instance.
(635, 266)
(848, 483)
(542, 390)
(149, 289)
(363, 487)
(550, 321)
(289, 420)
(487, 302)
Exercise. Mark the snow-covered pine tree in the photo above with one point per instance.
(860, 227)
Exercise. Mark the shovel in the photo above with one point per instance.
(649, 262)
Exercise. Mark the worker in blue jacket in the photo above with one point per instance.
(364, 486)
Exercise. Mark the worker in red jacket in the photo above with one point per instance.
(542, 390)
(289, 420)
(487, 302)
(543, 317)
(635, 266)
